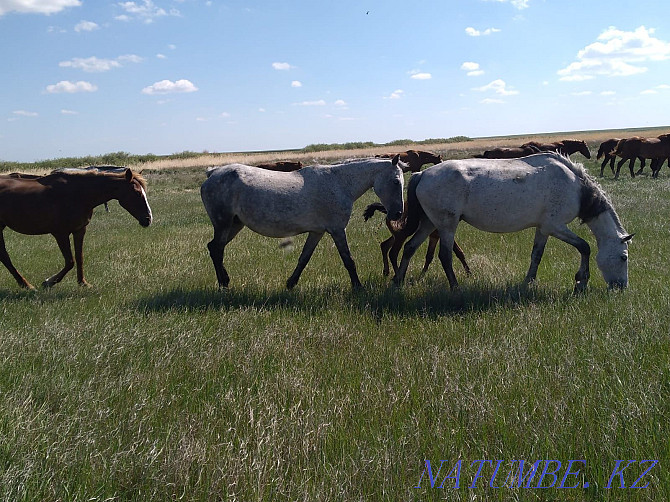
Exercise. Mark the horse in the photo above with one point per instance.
(606, 150)
(509, 153)
(545, 191)
(315, 199)
(391, 247)
(283, 166)
(564, 147)
(657, 149)
(415, 159)
(60, 204)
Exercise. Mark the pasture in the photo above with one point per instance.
(154, 385)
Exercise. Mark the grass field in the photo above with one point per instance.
(154, 385)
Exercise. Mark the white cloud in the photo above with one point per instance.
(499, 87)
(36, 6)
(24, 113)
(397, 94)
(68, 112)
(169, 87)
(161, 56)
(65, 86)
(296, 83)
(86, 26)
(476, 33)
(97, 65)
(616, 53)
(491, 101)
(472, 69)
(519, 4)
(607, 93)
(340, 102)
(225, 115)
(282, 66)
(319, 102)
(421, 76)
(147, 11)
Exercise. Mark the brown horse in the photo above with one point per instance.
(284, 166)
(509, 153)
(606, 150)
(656, 149)
(399, 234)
(61, 204)
(415, 159)
(564, 147)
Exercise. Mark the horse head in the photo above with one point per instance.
(612, 260)
(388, 185)
(133, 197)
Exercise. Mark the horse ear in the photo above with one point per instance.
(129, 174)
(627, 238)
(395, 160)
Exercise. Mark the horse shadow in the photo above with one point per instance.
(377, 299)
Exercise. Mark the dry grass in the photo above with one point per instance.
(447, 150)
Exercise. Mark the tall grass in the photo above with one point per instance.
(154, 385)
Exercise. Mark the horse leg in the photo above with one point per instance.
(642, 164)
(602, 166)
(312, 240)
(386, 247)
(4, 258)
(78, 238)
(426, 227)
(447, 257)
(631, 165)
(224, 232)
(536, 255)
(63, 241)
(433, 239)
(618, 168)
(340, 238)
(582, 275)
(461, 257)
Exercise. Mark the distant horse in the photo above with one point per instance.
(415, 159)
(564, 147)
(606, 150)
(509, 153)
(399, 234)
(545, 191)
(656, 149)
(61, 204)
(283, 166)
(315, 199)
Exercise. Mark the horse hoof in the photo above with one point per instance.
(85, 284)
(291, 284)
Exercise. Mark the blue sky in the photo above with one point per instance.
(163, 76)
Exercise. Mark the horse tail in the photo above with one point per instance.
(413, 210)
(370, 210)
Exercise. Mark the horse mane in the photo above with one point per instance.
(592, 201)
(83, 172)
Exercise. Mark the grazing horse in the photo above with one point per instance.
(61, 204)
(656, 149)
(546, 191)
(315, 199)
(565, 147)
(285, 166)
(509, 153)
(415, 159)
(399, 234)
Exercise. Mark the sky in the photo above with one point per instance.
(84, 77)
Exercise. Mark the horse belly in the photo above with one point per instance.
(277, 216)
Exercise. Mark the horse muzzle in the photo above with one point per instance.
(395, 216)
(617, 285)
(146, 221)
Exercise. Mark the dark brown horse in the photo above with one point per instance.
(399, 234)
(61, 204)
(284, 166)
(415, 159)
(606, 150)
(509, 153)
(564, 147)
(656, 149)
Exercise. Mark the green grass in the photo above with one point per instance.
(154, 385)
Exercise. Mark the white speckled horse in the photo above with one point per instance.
(546, 191)
(315, 199)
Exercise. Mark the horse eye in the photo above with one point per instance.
(396, 181)
(624, 257)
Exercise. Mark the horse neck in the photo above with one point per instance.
(356, 178)
(94, 190)
(606, 226)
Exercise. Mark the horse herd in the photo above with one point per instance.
(544, 190)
